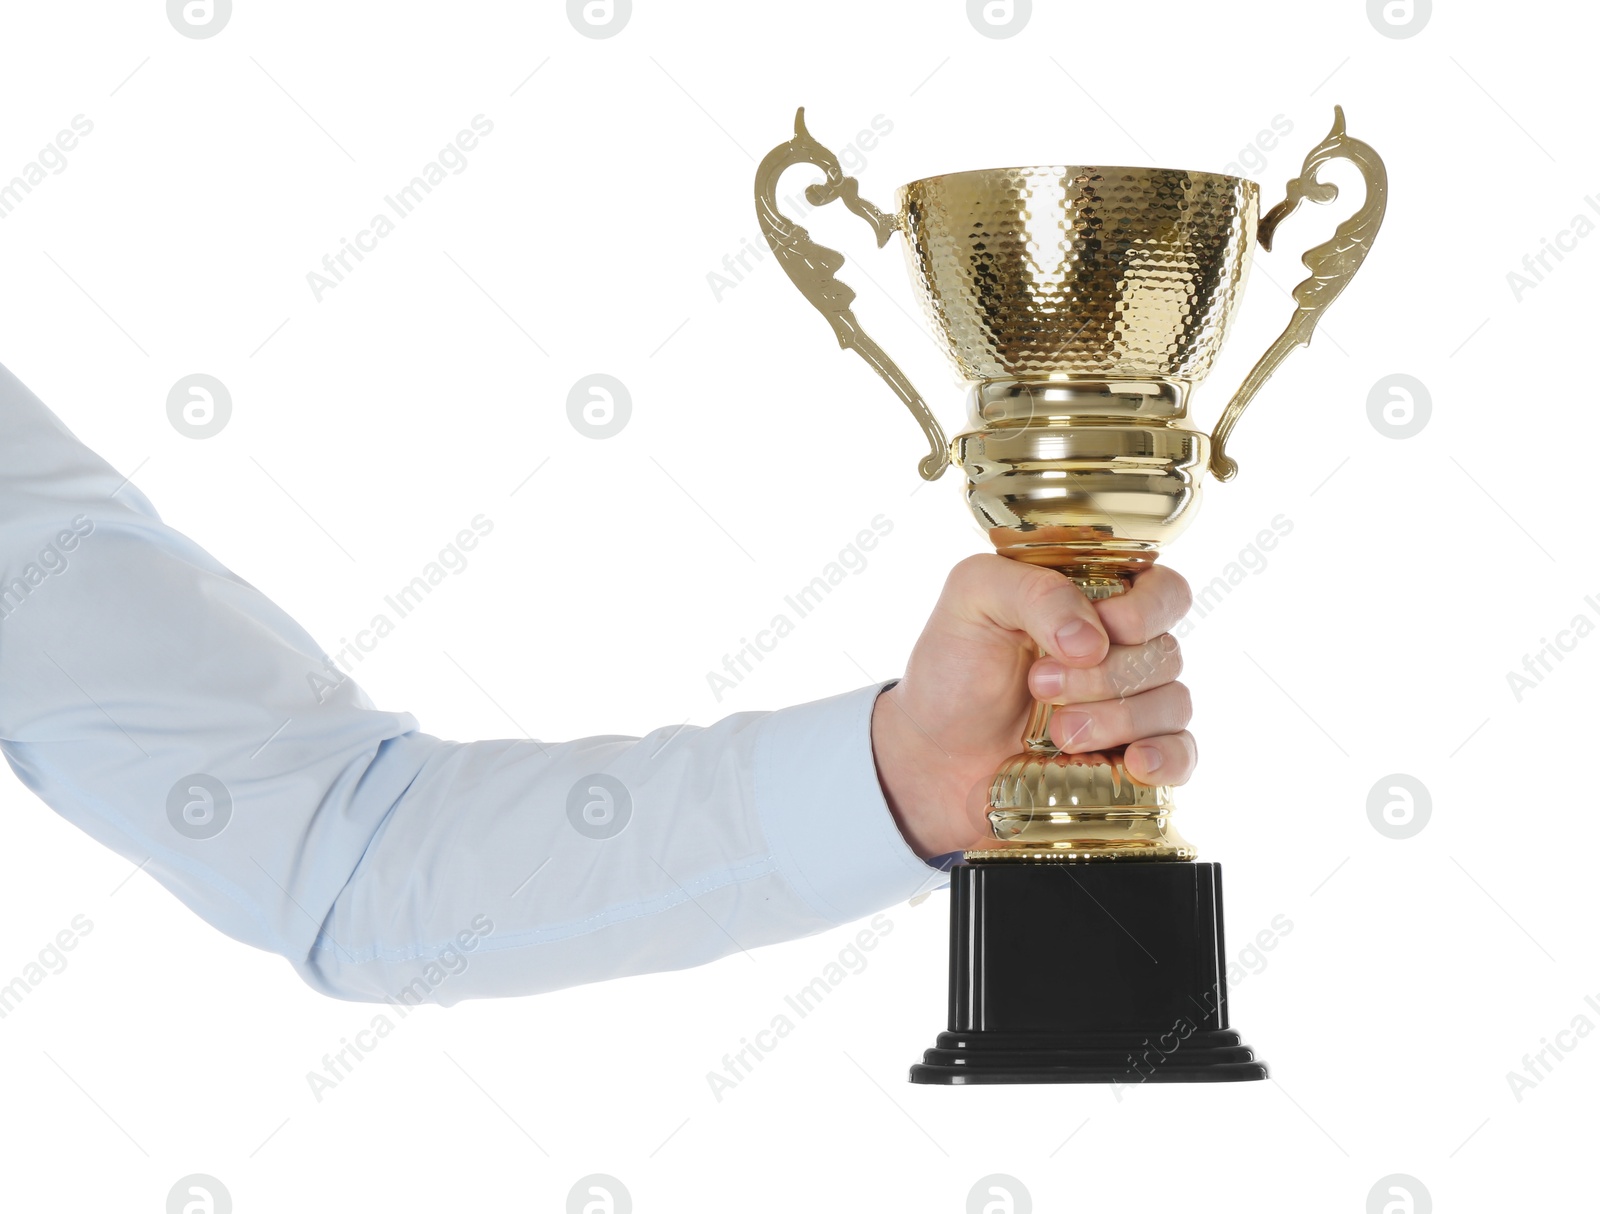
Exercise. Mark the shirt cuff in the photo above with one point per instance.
(823, 810)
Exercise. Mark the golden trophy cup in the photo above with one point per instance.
(1081, 304)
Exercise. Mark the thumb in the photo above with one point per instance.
(1045, 604)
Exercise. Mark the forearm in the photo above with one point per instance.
(357, 847)
(735, 837)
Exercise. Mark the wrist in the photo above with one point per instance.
(911, 773)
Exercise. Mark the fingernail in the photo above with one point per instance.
(1049, 680)
(1074, 725)
(1078, 639)
(1148, 756)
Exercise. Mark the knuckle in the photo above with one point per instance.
(1181, 748)
(1168, 590)
(1172, 654)
(970, 570)
(1182, 596)
(1045, 591)
(1183, 702)
(1136, 620)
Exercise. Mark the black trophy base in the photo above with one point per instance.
(1087, 973)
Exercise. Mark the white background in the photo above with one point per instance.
(369, 427)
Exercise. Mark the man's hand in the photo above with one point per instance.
(939, 734)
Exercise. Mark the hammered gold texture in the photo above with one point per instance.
(1128, 273)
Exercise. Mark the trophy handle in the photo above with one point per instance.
(1332, 265)
(811, 267)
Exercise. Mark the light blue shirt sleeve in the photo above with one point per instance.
(173, 712)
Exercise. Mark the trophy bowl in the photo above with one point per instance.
(1062, 273)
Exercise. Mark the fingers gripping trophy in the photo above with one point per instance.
(1081, 304)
